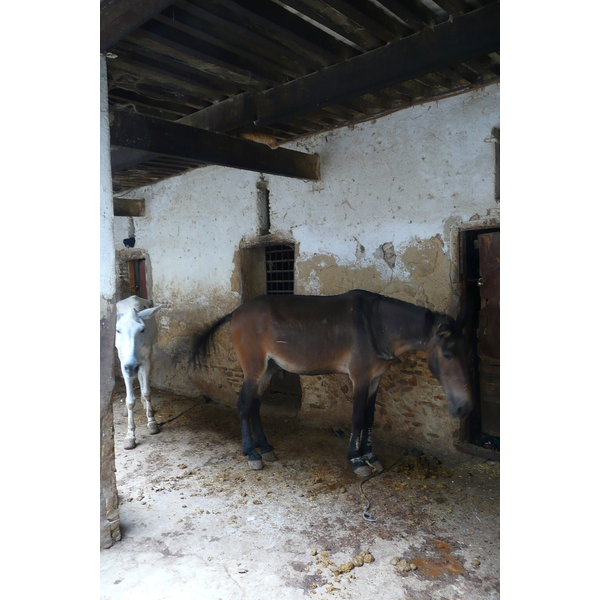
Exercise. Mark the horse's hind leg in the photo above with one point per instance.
(144, 377)
(245, 406)
(258, 435)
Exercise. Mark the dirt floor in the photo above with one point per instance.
(197, 523)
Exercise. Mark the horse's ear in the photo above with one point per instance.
(429, 320)
(148, 312)
(464, 315)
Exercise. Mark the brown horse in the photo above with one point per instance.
(358, 333)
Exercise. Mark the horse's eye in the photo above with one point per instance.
(118, 331)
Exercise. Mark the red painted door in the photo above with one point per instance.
(143, 287)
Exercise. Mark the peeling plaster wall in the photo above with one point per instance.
(392, 192)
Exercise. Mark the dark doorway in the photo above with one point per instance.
(480, 267)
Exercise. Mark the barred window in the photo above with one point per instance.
(280, 269)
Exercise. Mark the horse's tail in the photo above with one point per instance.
(201, 342)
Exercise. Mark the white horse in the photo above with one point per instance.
(136, 333)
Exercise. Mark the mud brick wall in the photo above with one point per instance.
(411, 409)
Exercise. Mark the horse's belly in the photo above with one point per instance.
(311, 363)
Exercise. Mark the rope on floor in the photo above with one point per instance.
(367, 516)
(203, 400)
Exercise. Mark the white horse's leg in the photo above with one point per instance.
(130, 401)
(144, 377)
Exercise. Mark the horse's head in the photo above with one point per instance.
(135, 334)
(447, 359)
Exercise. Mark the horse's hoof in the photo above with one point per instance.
(360, 467)
(255, 465)
(362, 471)
(129, 444)
(153, 428)
(373, 461)
(269, 456)
(378, 466)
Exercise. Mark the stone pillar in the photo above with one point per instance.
(109, 504)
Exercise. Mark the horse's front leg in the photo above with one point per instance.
(144, 377)
(359, 430)
(367, 446)
(130, 403)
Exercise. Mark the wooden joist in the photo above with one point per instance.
(465, 37)
(129, 207)
(120, 17)
(174, 139)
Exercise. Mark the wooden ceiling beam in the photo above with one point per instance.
(125, 158)
(363, 20)
(465, 37)
(252, 60)
(199, 60)
(133, 131)
(403, 13)
(289, 30)
(129, 207)
(120, 17)
(317, 17)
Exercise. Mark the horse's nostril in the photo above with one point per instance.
(460, 411)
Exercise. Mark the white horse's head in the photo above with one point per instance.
(136, 332)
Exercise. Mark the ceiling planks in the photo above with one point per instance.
(284, 68)
(120, 17)
(470, 35)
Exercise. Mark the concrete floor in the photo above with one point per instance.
(197, 523)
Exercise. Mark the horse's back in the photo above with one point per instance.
(303, 334)
(308, 307)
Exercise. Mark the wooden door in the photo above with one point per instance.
(138, 285)
(488, 332)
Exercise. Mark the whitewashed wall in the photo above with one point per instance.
(381, 218)
(396, 179)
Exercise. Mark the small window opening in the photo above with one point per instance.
(280, 269)
(137, 278)
(132, 279)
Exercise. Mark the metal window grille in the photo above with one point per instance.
(280, 269)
